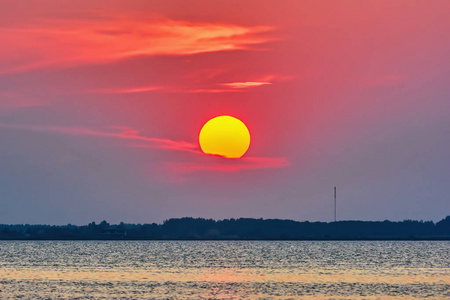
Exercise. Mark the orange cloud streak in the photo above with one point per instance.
(133, 90)
(71, 42)
(247, 84)
(126, 90)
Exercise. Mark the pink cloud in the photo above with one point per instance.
(130, 90)
(228, 165)
(209, 163)
(124, 133)
(68, 42)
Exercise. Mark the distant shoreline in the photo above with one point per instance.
(244, 240)
(243, 229)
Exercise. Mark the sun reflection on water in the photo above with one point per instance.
(225, 270)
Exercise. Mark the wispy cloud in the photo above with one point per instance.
(71, 42)
(209, 162)
(256, 82)
(130, 90)
(135, 90)
(121, 133)
(246, 84)
(211, 91)
(228, 165)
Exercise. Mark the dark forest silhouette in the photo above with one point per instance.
(235, 229)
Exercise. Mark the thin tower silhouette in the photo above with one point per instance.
(335, 204)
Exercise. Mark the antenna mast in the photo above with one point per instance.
(335, 204)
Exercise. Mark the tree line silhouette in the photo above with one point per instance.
(234, 229)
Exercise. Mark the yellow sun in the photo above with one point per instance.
(225, 136)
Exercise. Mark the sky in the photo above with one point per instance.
(102, 102)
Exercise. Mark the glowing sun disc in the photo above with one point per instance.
(225, 136)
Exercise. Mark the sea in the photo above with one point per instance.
(224, 270)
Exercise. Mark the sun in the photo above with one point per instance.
(225, 136)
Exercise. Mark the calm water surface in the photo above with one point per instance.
(224, 270)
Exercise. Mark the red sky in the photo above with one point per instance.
(101, 104)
